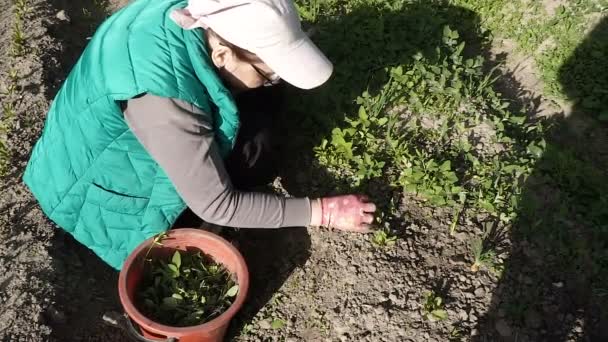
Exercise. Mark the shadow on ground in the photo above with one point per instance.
(84, 286)
(554, 284)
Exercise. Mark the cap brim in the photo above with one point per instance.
(300, 64)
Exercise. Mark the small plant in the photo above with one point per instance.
(483, 248)
(277, 323)
(310, 11)
(188, 289)
(482, 256)
(433, 309)
(18, 38)
(438, 130)
(22, 8)
(383, 238)
(247, 328)
(155, 243)
(456, 334)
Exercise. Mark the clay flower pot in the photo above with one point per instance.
(220, 250)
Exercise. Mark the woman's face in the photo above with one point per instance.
(242, 70)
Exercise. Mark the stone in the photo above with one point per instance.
(479, 292)
(340, 329)
(379, 310)
(463, 315)
(369, 323)
(63, 16)
(264, 324)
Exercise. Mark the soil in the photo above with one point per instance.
(307, 284)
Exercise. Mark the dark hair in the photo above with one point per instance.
(241, 53)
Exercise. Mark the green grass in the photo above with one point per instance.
(551, 36)
(421, 133)
(17, 48)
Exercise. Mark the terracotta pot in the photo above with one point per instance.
(182, 239)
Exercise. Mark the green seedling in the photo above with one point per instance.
(8, 112)
(456, 334)
(277, 323)
(482, 256)
(188, 289)
(433, 307)
(383, 238)
(383, 235)
(157, 241)
(247, 328)
(483, 248)
(415, 134)
(22, 8)
(13, 77)
(18, 38)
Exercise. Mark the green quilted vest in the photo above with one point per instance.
(88, 171)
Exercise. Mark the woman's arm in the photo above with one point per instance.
(180, 138)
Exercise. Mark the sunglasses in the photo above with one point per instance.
(271, 80)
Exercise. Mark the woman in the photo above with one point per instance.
(141, 128)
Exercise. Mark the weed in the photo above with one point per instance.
(188, 290)
(156, 242)
(483, 250)
(277, 323)
(383, 238)
(422, 131)
(22, 8)
(8, 112)
(481, 255)
(456, 334)
(309, 11)
(18, 39)
(433, 307)
(247, 328)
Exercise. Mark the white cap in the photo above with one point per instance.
(268, 28)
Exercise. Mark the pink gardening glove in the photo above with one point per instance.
(351, 213)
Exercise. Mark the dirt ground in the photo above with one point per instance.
(323, 286)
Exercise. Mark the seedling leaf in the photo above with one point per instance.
(277, 323)
(232, 291)
(177, 259)
(440, 314)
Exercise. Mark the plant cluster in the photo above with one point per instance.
(188, 289)
(438, 130)
(433, 307)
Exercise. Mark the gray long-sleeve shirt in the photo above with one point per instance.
(180, 137)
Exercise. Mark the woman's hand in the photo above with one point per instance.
(351, 213)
